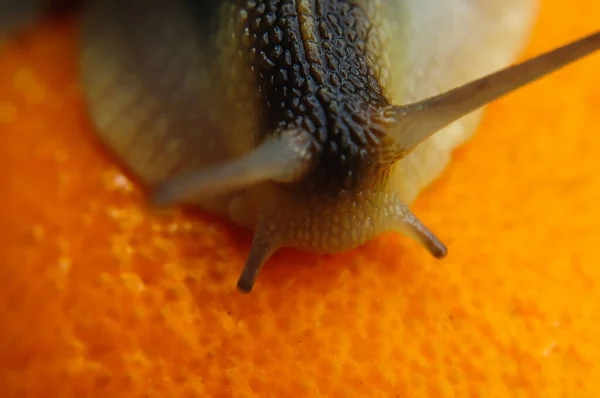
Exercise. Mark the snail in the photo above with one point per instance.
(315, 123)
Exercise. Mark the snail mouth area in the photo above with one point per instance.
(326, 225)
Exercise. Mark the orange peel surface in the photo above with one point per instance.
(101, 297)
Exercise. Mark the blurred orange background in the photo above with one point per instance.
(100, 297)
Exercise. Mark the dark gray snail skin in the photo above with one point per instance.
(18, 15)
(279, 115)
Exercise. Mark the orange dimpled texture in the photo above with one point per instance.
(102, 297)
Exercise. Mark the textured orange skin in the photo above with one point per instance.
(102, 297)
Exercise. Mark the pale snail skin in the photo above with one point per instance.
(171, 90)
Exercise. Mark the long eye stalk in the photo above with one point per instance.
(414, 123)
(283, 158)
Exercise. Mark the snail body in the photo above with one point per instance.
(315, 123)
